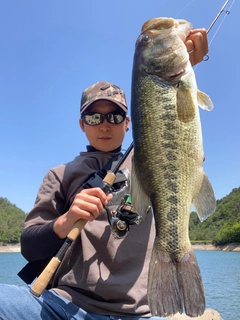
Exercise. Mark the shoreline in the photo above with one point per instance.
(10, 248)
(227, 247)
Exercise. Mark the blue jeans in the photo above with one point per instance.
(17, 303)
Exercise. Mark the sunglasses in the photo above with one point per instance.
(95, 118)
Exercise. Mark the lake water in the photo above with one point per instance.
(220, 273)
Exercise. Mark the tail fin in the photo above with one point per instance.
(175, 286)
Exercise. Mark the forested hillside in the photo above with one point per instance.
(223, 226)
(220, 228)
(11, 222)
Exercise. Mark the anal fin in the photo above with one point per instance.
(205, 201)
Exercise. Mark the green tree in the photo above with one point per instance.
(222, 222)
(228, 233)
(11, 221)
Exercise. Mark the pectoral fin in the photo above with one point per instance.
(204, 101)
(185, 104)
(205, 202)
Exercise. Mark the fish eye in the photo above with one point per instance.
(145, 39)
(142, 39)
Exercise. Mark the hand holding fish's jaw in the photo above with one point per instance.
(160, 49)
(197, 45)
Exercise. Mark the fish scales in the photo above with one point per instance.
(163, 165)
(167, 164)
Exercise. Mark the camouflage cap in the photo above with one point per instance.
(103, 90)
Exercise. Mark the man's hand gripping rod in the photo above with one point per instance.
(44, 278)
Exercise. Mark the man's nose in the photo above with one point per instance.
(105, 125)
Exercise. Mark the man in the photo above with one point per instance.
(100, 277)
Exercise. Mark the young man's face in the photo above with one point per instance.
(105, 136)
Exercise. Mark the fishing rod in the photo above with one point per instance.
(218, 15)
(206, 57)
(44, 278)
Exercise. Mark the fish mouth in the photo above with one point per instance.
(168, 76)
(178, 73)
(173, 76)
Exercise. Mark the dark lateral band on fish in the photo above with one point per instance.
(167, 163)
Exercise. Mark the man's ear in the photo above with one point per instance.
(81, 124)
(127, 122)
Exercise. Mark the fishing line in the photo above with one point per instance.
(183, 8)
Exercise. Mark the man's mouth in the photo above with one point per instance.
(104, 138)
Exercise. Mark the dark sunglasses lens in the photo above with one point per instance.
(115, 117)
(93, 119)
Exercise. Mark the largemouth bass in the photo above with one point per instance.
(167, 168)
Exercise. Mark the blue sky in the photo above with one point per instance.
(52, 50)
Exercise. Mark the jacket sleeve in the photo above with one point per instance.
(38, 239)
